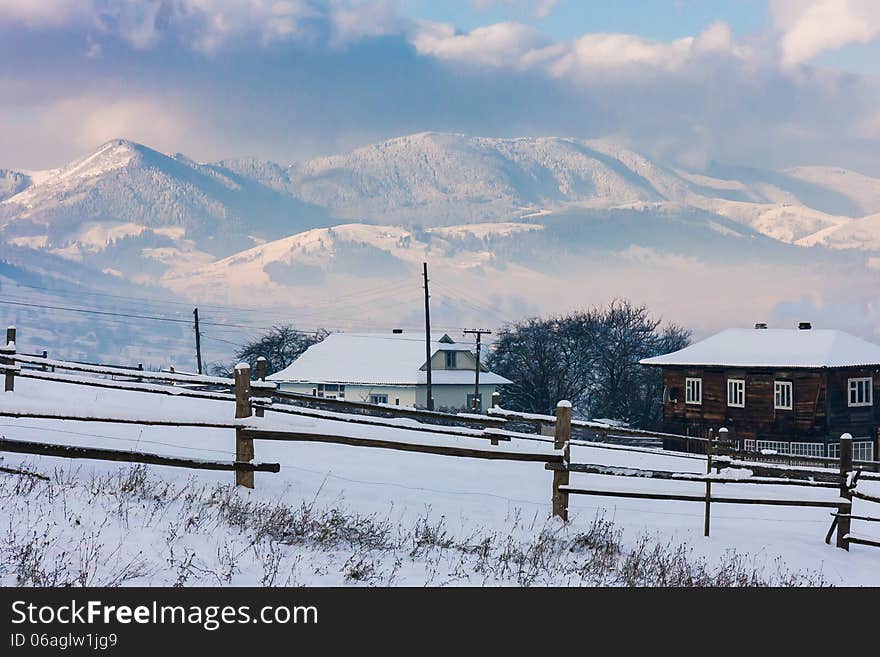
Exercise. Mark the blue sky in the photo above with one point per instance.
(747, 82)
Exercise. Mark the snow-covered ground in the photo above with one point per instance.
(153, 527)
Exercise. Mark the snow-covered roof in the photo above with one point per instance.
(377, 359)
(791, 348)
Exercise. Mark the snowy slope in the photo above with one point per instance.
(12, 182)
(862, 233)
(128, 184)
(436, 178)
(862, 190)
(468, 498)
(300, 270)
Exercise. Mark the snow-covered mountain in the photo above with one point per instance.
(436, 179)
(125, 190)
(509, 226)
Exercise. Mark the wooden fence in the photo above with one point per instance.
(252, 399)
(845, 482)
(555, 434)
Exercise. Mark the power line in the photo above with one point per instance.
(365, 296)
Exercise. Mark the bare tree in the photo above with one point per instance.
(589, 357)
(280, 347)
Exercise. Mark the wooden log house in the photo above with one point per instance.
(794, 391)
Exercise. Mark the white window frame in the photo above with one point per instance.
(862, 387)
(807, 449)
(693, 390)
(738, 388)
(778, 388)
(777, 446)
(863, 450)
(330, 390)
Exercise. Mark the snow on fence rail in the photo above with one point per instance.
(102, 454)
(590, 429)
(447, 441)
(9, 356)
(261, 404)
(845, 482)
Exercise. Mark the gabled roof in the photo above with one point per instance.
(377, 359)
(788, 348)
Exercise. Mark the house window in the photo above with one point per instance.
(378, 399)
(860, 391)
(736, 393)
(450, 359)
(693, 391)
(782, 395)
(330, 391)
(863, 450)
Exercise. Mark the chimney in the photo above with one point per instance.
(805, 326)
(761, 325)
(397, 331)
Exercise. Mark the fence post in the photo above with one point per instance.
(262, 365)
(10, 349)
(710, 440)
(845, 508)
(562, 440)
(496, 399)
(244, 447)
(724, 440)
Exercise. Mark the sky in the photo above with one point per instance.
(770, 83)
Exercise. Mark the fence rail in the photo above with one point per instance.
(448, 434)
(167, 377)
(101, 454)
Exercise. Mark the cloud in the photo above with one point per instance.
(498, 45)
(352, 22)
(76, 125)
(34, 13)
(290, 79)
(536, 8)
(518, 46)
(205, 25)
(810, 27)
(93, 121)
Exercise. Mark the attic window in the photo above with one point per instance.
(693, 391)
(450, 359)
(860, 392)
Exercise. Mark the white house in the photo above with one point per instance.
(389, 368)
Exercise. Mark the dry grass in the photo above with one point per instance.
(133, 527)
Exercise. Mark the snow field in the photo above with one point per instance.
(401, 488)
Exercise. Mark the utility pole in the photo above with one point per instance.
(478, 403)
(428, 339)
(198, 340)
